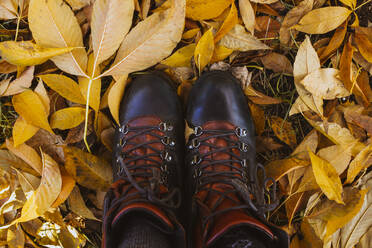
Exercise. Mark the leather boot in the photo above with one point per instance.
(228, 201)
(147, 166)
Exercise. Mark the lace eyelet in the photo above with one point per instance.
(120, 171)
(163, 126)
(197, 173)
(167, 141)
(244, 163)
(198, 130)
(243, 147)
(122, 142)
(241, 132)
(196, 160)
(124, 129)
(166, 156)
(195, 143)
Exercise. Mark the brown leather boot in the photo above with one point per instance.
(228, 202)
(148, 160)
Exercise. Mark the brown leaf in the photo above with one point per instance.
(283, 130)
(345, 65)
(277, 62)
(68, 184)
(260, 98)
(364, 45)
(336, 156)
(77, 205)
(20, 84)
(258, 115)
(335, 42)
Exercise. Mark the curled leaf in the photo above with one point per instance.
(204, 50)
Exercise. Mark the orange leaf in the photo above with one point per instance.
(364, 46)
(230, 21)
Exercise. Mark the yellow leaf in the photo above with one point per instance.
(230, 21)
(364, 45)
(220, 53)
(115, 95)
(327, 178)
(20, 84)
(248, 15)
(205, 9)
(22, 131)
(67, 118)
(15, 237)
(264, 1)
(68, 184)
(181, 58)
(43, 94)
(4, 84)
(323, 20)
(44, 196)
(360, 162)
(292, 18)
(150, 41)
(54, 25)
(337, 156)
(349, 3)
(27, 154)
(9, 159)
(8, 10)
(26, 53)
(283, 130)
(64, 86)
(279, 168)
(88, 170)
(239, 39)
(78, 4)
(204, 50)
(77, 205)
(95, 87)
(111, 21)
(31, 108)
(325, 83)
(190, 33)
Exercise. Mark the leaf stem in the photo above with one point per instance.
(362, 5)
(87, 115)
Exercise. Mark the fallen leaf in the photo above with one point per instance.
(111, 21)
(6, 67)
(293, 17)
(324, 83)
(22, 131)
(260, 98)
(26, 53)
(337, 156)
(78, 4)
(364, 90)
(293, 205)
(239, 39)
(4, 84)
(31, 108)
(95, 87)
(54, 25)
(202, 10)
(189, 34)
(364, 45)
(336, 41)
(362, 161)
(279, 168)
(15, 237)
(150, 41)
(43, 94)
(28, 182)
(323, 20)
(68, 184)
(349, 3)
(44, 196)
(283, 130)
(327, 178)
(67, 118)
(77, 205)
(345, 65)
(115, 95)
(258, 115)
(88, 170)
(20, 84)
(220, 53)
(181, 58)
(277, 62)
(64, 86)
(7, 10)
(230, 21)
(248, 15)
(204, 50)
(363, 121)
(107, 138)
(8, 159)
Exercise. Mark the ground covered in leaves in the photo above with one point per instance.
(305, 67)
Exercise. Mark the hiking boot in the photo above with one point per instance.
(147, 164)
(228, 201)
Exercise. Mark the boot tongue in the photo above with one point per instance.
(224, 222)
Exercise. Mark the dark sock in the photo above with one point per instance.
(242, 237)
(137, 232)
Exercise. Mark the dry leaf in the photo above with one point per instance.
(67, 118)
(335, 42)
(7, 10)
(68, 184)
(78, 4)
(6, 67)
(115, 95)
(264, 1)
(336, 156)
(189, 34)
(20, 84)
(239, 39)
(31, 108)
(22, 131)
(111, 21)
(88, 170)
(204, 50)
(362, 161)
(54, 25)
(43, 94)
(108, 137)
(292, 18)
(77, 205)
(259, 98)
(15, 237)
(26, 53)
(248, 15)
(349, 3)
(327, 178)
(64, 86)
(323, 20)
(220, 53)
(202, 10)
(277, 62)
(283, 130)
(230, 21)
(8, 159)
(181, 58)
(150, 41)
(258, 115)
(324, 83)
(364, 45)
(278, 168)
(345, 65)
